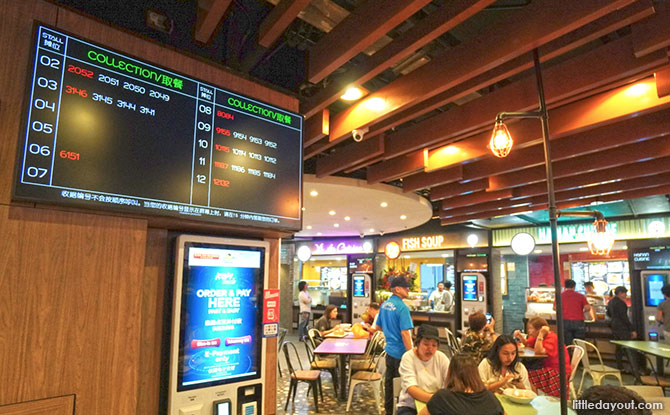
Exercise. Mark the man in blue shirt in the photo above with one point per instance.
(396, 323)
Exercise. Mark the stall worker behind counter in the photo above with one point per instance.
(395, 322)
(575, 305)
(442, 299)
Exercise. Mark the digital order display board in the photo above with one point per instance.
(107, 131)
(220, 315)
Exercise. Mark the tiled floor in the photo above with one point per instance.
(363, 401)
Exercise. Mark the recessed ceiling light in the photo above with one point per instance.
(347, 218)
(538, 251)
(624, 247)
(403, 217)
(314, 193)
(337, 225)
(372, 229)
(375, 104)
(383, 204)
(583, 248)
(352, 93)
(319, 234)
(303, 208)
(331, 213)
(406, 256)
(444, 255)
(308, 227)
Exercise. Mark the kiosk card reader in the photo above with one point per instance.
(473, 297)
(217, 349)
(652, 282)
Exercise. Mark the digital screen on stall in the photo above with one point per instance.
(655, 257)
(359, 286)
(469, 287)
(107, 131)
(221, 315)
(653, 285)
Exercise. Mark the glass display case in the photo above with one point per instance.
(417, 301)
(540, 302)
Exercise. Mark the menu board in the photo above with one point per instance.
(104, 130)
(220, 339)
(605, 275)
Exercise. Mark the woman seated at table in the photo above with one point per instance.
(423, 370)
(502, 368)
(465, 392)
(479, 337)
(544, 341)
(325, 323)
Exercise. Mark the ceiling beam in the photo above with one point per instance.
(424, 180)
(478, 197)
(349, 157)
(446, 191)
(428, 29)
(490, 214)
(316, 128)
(210, 14)
(662, 77)
(609, 63)
(483, 207)
(652, 33)
(536, 24)
(278, 20)
(363, 26)
(411, 162)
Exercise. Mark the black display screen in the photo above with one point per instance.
(107, 131)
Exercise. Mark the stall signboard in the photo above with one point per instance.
(655, 257)
(580, 232)
(341, 246)
(432, 242)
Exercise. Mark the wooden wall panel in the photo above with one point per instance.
(270, 384)
(15, 27)
(69, 321)
(153, 303)
(61, 405)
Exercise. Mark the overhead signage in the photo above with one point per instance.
(341, 246)
(435, 241)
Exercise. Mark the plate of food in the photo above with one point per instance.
(522, 396)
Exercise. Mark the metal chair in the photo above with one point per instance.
(312, 377)
(280, 341)
(374, 378)
(597, 371)
(397, 388)
(314, 337)
(317, 362)
(366, 361)
(577, 352)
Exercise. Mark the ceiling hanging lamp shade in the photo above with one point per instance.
(501, 140)
(601, 239)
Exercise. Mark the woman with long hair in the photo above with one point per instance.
(502, 368)
(325, 323)
(464, 393)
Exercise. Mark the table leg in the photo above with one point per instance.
(659, 366)
(343, 377)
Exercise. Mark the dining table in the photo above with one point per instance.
(542, 405)
(343, 348)
(659, 350)
(529, 353)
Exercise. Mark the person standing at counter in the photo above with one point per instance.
(663, 313)
(423, 370)
(597, 301)
(441, 299)
(575, 305)
(622, 328)
(305, 301)
(396, 323)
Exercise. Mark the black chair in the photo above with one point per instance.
(323, 363)
(280, 341)
(311, 377)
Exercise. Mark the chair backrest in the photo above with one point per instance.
(453, 342)
(647, 391)
(588, 347)
(282, 335)
(314, 337)
(577, 354)
(310, 351)
(397, 387)
(291, 355)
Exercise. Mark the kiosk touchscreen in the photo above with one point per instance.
(473, 298)
(652, 282)
(217, 349)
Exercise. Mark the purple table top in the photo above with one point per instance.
(342, 346)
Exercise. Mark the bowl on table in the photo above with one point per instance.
(519, 395)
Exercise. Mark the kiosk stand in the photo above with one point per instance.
(652, 282)
(473, 297)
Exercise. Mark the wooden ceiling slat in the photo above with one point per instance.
(652, 33)
(602, 138)
(623, 155)
(478, 197)
(489, 214)
(439, 177)
(663, 82)
(609, 63)
(366, 24)
(278, 20)
(316, 128)
(536, 24)
(595, 30)
(446, 191)
(411, 162)
(483, 207)
(435, 24)
(349, 157)
(209, 17)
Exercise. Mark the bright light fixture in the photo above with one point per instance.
(583, 249)
(537, 251)
(403, 217)
(523, 243)
(319, 234)
(331, 213)
(367, 246)
(337, 225)
(472, 240)
(347, 218)
(304, 253)
(601, 239)
(308, 227)
(383, 204)
(656, 228)
(352, 94)
(314, 193)
(501, 140)
(372, 230)
(375, 104)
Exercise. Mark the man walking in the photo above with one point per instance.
(575, 305)
(396, 323)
